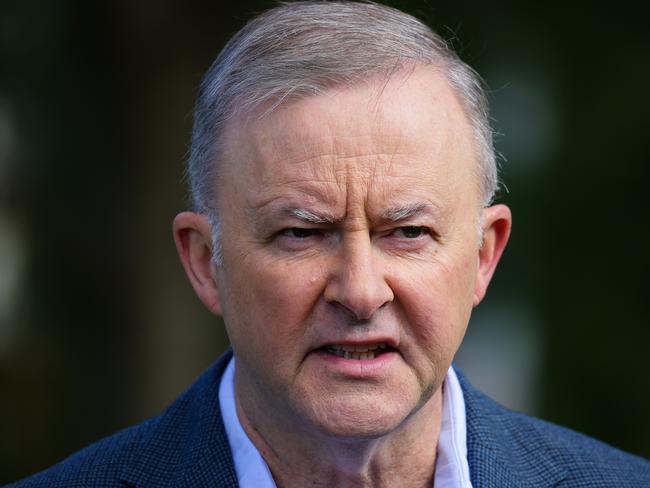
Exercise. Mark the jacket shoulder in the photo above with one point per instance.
(527, 448)
(588, 460)
(99, 464)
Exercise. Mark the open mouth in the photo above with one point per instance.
(368, 351)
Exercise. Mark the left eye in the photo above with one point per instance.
(300, 232)
(411, 231)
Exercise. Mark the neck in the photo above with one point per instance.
(300, 456)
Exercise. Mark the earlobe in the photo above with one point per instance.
(497, 222)
(193, 238)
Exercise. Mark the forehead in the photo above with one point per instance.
(404, 131)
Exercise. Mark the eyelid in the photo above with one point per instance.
(314, 230)
(420, 228)
(426, 231)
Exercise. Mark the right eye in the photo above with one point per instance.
(294, 239)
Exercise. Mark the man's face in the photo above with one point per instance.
(349, 224)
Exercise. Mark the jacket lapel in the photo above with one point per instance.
(506, 449)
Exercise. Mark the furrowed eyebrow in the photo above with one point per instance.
(403, 212)
(393, 214)
(312, 217)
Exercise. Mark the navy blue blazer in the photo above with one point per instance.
(186, 446)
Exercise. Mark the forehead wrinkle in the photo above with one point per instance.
(328, 183)
(317, 139)
(308, 190)
(319, 161)
(305, 201)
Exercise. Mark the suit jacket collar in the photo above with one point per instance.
(502, 449)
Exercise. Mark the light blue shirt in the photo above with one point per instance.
(452, 470)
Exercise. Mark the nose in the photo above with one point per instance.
(357, 281)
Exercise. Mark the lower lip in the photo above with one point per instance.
(357, 368)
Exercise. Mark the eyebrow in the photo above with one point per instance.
(403, 212)
(393, 214)
(312, 217)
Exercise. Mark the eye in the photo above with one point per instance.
(300, 232)
(297, 239)
(411, 231)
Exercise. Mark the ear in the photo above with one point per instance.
(497, 222)
(193, 238)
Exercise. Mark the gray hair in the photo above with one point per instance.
(305, 48)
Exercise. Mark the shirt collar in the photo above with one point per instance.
(252, 471)
(452, 470)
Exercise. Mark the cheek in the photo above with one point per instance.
(437, 301)
(269, 301)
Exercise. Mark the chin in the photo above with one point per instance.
(360, 416)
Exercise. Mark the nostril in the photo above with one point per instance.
(356, 317)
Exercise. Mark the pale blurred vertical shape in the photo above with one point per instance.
(504, 350)
(13, 245)
(503, 354)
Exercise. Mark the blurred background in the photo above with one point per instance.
(99, 328)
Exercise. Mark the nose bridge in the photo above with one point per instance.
(359, 279)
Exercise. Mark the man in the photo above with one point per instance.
(342, 172)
